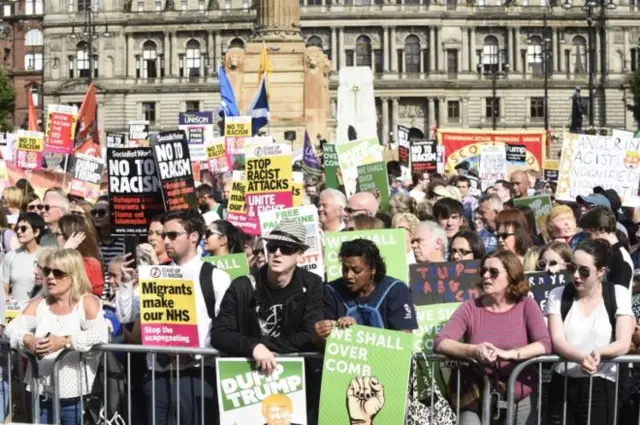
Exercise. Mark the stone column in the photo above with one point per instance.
(216, 53)
(211, 51)
(343, 57)
(597, 40)
(463, 112)
(432, 49)
(385, 120)
(334, 50)
(422, 68)
(276, 16)
(394, 54)
(465, 50)
(440, 51)
(510, 49)
(625, 50)
(472, 51)
(431, 113)
(442, 111)
(394, 119)
(166, 48)
(174, 55)
(131, 71)
(100, 64)
(516, 36)
(385, 49)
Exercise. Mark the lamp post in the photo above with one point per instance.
(494, 73)
(89, 32)
(591, 6)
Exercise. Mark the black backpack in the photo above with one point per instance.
(206, 285)
(608, 295)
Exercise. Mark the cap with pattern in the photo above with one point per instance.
(290, 232)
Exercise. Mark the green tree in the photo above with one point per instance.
(633, 81)
(7, 103)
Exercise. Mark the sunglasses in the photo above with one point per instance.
(493, 272)
(172, 235)
(583, 271)
(22, 229)
(284, 249)
(504, 236)
(38, 207)
(57, 273)
(100, 212)
(462, 252)
(542, 264)
(47, 207)
(210, 233)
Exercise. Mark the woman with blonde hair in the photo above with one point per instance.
(366, 222)
(12, 203)
(66, 316)
(408, 222)
(401, 203)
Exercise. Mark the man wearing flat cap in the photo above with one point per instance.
(274, 309)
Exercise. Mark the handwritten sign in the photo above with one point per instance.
(493, 164)
(541, 283)
(437, 283)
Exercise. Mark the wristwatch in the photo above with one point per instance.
(67, 342)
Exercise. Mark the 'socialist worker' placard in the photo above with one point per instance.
(167, 307)
(171, 152)
(134, 190)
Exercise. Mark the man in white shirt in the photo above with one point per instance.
(182, 233)
(331, 209)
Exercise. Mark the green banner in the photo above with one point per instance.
(234, 264)
(431, 319)
(390, 242)
(246, 396)
(365, 375)
(331, 165)
(541, 206)
(374, 178)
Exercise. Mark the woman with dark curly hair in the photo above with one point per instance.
(365, 295)
(504, 306)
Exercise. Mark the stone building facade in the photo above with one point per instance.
(21, 47)
(433, 61)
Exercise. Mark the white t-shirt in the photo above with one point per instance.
(588, 333)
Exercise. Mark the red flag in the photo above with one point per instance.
(87, 138)
(33, 123)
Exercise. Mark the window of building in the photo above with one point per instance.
(33, 61)
(492, 108)
(140, 6)
(82, 60)
(157, 5)
(35, 95)
(149, 112)
(33, 37)
(84, 5)
(580, 58)
(537, 108)
(184, 5)
(193, 59)
(202, 5)
(452, 63)
(33, 7)
(71, 67)
(363, 51)
(453, 110)
(534, 56)
(6, 10)
(635, 58)
(378, 61)
(193, 106)
(412, 54)
(490, 54)
(349, 57)
(314, 2)
(149, 60)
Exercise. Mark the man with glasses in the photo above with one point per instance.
(182, 233)
(54, 205)
(360, 203)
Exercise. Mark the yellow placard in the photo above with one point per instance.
(30, 143)
(237, 201)
(215, 151)
(268, 174)
(551, 164)
(13, 310)
(237, 127)
(297, 193)
(167, 302)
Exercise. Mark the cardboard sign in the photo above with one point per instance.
(138, 133)
(87, 177)
(29, 149)
(134, 190)
(439, 283)
(431, 319)
(366, 362)
(330, 162)
(198, 126)
(13, 310)
(541, 206)
(216, 155)
(403, 145)
(375, 179)
(247, 396)
(237, 134)
(516, 154)
(297, 187)
(234, 264)
(173, 164)
(424, 156)
(61, 128)
(115, 140)
(356, 153)
(167, 307)
(542, 283)
(493, 165)
(237, 207)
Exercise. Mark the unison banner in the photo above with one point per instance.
(198, 126)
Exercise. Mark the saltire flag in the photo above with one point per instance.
(228, 105)
(259, 108)
(310, 163)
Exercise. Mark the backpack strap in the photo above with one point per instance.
(252, 280)
(568, 295)
(206, 286)
(384, 295)
(610, 303)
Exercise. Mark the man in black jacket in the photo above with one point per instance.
(273, 310)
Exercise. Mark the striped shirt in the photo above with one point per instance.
(109, 252)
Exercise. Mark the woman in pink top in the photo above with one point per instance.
(501, 327)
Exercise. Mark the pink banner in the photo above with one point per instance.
(170, 335)
(259, 202)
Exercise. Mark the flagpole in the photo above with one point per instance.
(64, 176)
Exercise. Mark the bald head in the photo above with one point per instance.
(520, 183)
(361, 203)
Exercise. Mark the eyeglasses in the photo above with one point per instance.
(504, 236)
(461, 252)
(99, 212)
(352, 211)
(583, 271)
(284, 249)
(22, 229)
(47, 207)
(172, 235)
(57, 273)
(542, 264)
(38, 207)
(210, 233)
(493, 272)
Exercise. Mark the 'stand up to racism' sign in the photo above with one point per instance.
(171, 151)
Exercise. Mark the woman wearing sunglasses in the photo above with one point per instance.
(17, 273)
(589, 320)
(223, 238)
(504, 306)
(32, 203)
(466, 245)
(365, 295)
(513, 232)
(555, 258)
(67, 316)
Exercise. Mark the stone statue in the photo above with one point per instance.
(316, 90)
(577, 111)
(234, 67)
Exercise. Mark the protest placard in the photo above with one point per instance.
(308, 215)
(390, 242)
(440, 165)
(115, 140)
(61, 128)
(268, 174)
(375, 179)
(87, 177)
(353, 154)
(493, 165)
(237, 207)
(364, 362)
(297, 187)
(234, 264)
(550, 172)
(542, 283)
(424, 156)
(590, 161)
(403, 145)
(217, 156)
(247, 396)
(516, 154)
(134, 190)
(541, 206)
(167, 307)
(13, 310)
(29, 149)
(330, 163)
(198, 127)
(171, 152)
(4, 174)
(237, 134)
(138, 133)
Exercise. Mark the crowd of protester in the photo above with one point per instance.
(60, 260)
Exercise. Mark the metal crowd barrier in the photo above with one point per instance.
(13, 365)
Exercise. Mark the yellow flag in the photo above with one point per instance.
(265, 64)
